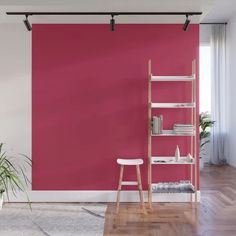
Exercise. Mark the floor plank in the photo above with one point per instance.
(215, 215)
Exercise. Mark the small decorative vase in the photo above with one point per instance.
(177, 154)
(189, 158)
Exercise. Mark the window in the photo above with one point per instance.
(205, 78)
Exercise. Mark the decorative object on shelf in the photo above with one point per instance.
(157, 124)
(189, 158)
(170, 160)
(184, 186)
(159, 161)
(177, 154)
(12, 173)
(205, 124)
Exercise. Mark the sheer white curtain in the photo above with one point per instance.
(219, 93)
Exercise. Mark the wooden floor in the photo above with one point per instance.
(215, 215)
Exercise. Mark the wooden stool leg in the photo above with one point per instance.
(119, 188)
(140, 187)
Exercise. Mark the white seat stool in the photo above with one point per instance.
(129, 162)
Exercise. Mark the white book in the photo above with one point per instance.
(157, 125)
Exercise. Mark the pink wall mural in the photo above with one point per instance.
(89, 101)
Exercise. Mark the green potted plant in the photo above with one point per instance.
(205, 123)
(12, 174)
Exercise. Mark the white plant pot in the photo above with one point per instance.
(1, 201)
(201, 164)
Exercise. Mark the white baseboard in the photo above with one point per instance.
(99, 196)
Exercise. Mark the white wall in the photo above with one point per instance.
(205, 39)
(231, 37)
(205, 34)
(15, 88)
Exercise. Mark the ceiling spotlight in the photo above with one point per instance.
(112, 23)
(186, 24)
(27, 24)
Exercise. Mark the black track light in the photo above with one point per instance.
(112, 23)
(186, 24)
(27, 24)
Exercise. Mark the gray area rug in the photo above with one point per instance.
(52, 219)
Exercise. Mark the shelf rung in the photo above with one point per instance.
(172, 133)
(172, 105)
(129, 183)
(170, 160)
(155, 78)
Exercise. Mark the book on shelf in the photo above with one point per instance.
(157, 124)
(184, 128)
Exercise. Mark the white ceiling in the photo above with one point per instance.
(221, 11)
(105, 5)
(213, 10)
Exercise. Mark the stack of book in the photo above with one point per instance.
(184, 129)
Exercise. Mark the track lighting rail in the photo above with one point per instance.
(105, 13)
(112, 14)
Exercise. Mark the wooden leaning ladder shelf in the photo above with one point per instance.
(193, 149)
